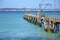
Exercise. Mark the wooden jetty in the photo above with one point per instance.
(49, 23)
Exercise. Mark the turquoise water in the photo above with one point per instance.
(51, 14)
(14, 27)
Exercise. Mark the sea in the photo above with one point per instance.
(14, 27)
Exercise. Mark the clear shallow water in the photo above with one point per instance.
(14, 27)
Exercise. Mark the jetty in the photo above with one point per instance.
(49, 23)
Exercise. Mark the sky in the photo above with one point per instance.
(28, 3)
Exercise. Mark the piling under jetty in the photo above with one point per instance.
(49, 23)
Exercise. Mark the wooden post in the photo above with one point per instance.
(55, 10)
(39, 10)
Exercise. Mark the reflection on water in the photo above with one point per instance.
(14, 27)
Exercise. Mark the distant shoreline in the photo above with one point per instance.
(28, 11)
(25, 9)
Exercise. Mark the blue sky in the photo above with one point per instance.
(27, 3)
